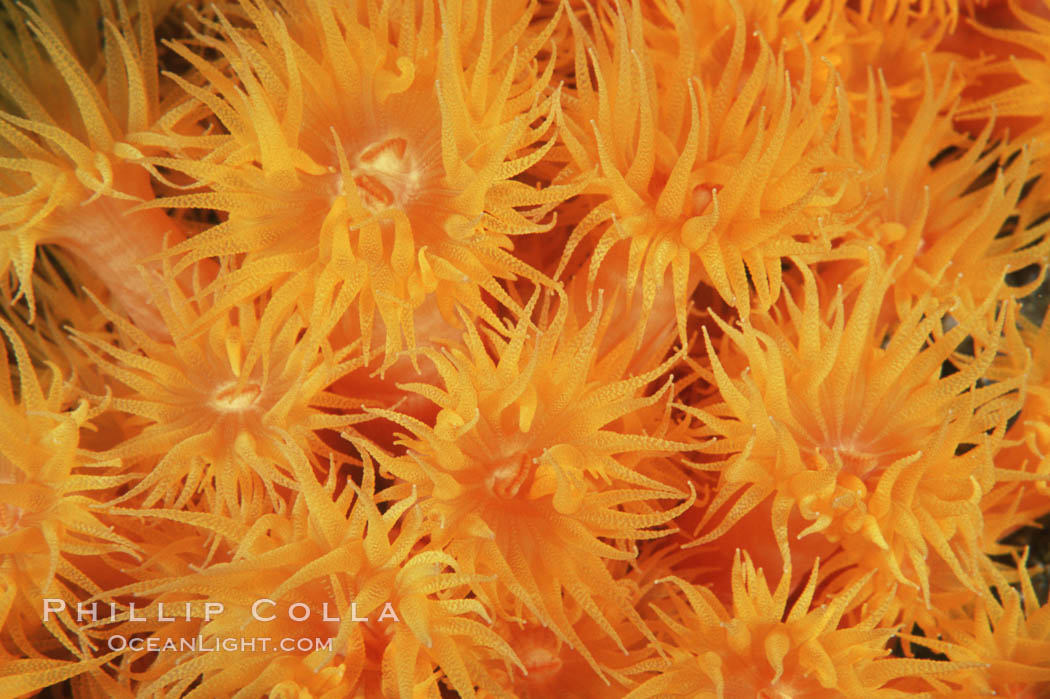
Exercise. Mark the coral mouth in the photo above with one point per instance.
(236, 397)
(386, 175)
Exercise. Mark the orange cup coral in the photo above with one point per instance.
(419, 348)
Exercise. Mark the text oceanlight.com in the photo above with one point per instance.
(199, 644)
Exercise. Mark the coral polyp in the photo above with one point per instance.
(849, 442)
(214, 408)
(524, 348)
(532, 463)
(71, 160)
(383, 148)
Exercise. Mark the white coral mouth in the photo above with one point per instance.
(236, 397)
(386, 175)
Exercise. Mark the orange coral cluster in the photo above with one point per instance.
(527, 348)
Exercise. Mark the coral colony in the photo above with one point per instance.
(524, 348)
